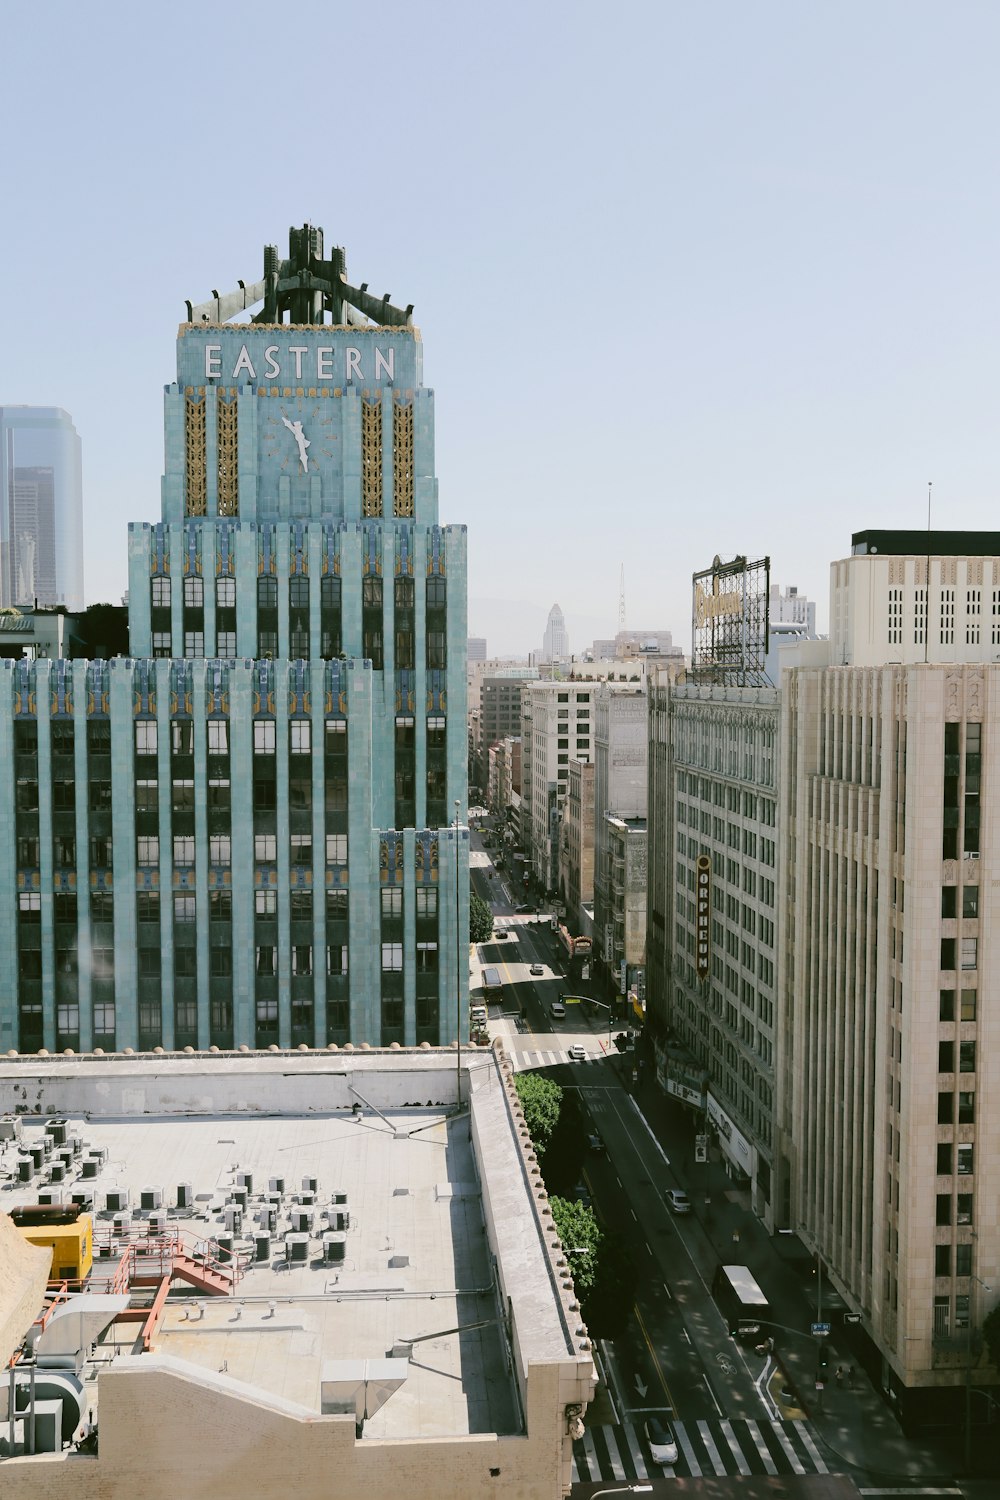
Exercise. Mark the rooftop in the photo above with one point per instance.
(369, 1221)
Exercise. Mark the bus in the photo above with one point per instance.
(741, 1302)
(492, 985)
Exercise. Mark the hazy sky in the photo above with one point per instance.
(692, 278)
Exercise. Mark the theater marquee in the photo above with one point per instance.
(703, 916)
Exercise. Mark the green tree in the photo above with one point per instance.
(480, 919)
(541, 1100)
(581, 1240)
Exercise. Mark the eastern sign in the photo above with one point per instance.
(302, 358)
(821, 1330)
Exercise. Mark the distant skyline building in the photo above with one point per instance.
(477, 648)
(41, 508)
(555, 643)
(791, 608)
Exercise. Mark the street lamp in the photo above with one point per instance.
(458, 967)
(624, 1489)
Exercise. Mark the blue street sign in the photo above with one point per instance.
(822, 1329)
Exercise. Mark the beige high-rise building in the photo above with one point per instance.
(888, 1077)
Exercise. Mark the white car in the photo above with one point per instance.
(557, 1010)
(661, 1440)
(677, 1201)
(578, 1052)
(536, 969)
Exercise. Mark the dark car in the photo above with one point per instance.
(595, 1144)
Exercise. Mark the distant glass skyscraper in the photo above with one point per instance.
(41, 508)
(555, 645)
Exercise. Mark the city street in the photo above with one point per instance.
(733, 1412)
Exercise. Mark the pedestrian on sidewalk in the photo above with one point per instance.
(850, 1377)
(838, 1375)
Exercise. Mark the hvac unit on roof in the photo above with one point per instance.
(122, 1223)
(234, 1218)
(276, 1184)
(334, 1248)
(58, 1129)
(158, 1221)
(262, 1247)
(310, 1184)
(151, 1197)
(57, 1171)
(25, 1168)
(297, 1247)
(225, 1244)
(245, 1180)
(185, 1195)
(50, 1195)
(267, 1217)
(239, 1196)
(116, 1199)
(302, 1220)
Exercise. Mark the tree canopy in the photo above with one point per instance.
(541, 1100)
(581, 1239)
(480, 919)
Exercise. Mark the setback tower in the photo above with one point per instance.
(252, 830)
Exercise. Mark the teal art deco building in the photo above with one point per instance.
(251, 831)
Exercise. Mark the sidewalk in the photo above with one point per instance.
(855, 1424)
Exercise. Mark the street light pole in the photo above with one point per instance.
(974, 1281)
(458, 967)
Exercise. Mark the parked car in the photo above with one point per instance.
(596, 1145)
(522, 906)
(677, 1201)
(661, 1440)
(578, 1052)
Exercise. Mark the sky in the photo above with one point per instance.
(692, 279)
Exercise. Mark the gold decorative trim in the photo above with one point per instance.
(402, 459)
(371, 458)
(194, 442)
(228, 446)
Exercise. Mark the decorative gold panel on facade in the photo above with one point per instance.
(229, 481)
(194, 447)
(402, 459)
(371, 458)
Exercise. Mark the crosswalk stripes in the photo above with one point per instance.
(536, 1057)
(705, 1447)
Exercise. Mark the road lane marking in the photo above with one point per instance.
(649, 1130)
(613, 1454)
(798, 1467)
(770, 1467)
(636, 1450)
(734, 1447)
(593, 1462)
(685, 1443)
(708, 1387)
(705, 1433)
(810, 1446)
(652, 1355)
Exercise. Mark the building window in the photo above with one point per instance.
(392, 903)
(265, 903)
(225, 593)
(427, 958)
(426, 901)
(947, 617)
(895, 617)
(161, 643)
(184, 908)
(194, 593)
(301, 847)
(964, 1158)
(29, 905)
(145, 736)
(392, 957)
(183, 850)
(264, 741)
(226, 644)
(194, 643)
(966, 1108)
(219, 849)
(970, 952)
(301, 960)
(336, 960)
(265, 848)
(218, 737)
(159, 594)
(265, 962)
(968, 1012)
(300, 740)
(336, 848)
(147, 850)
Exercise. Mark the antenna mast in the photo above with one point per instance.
(621, 603)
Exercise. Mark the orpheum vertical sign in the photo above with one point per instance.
(703, 915)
